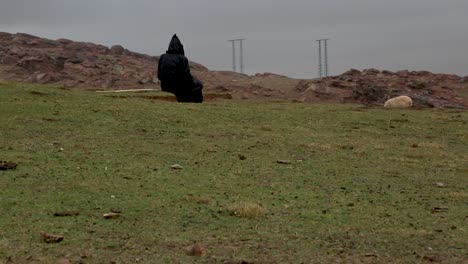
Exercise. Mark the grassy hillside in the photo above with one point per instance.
(354, 184)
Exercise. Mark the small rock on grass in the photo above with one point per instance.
(63, 261)
(111, 216)
(195, 250)
(439, 210)
(4, 165)
(50, 238)
(116, 211)
(67, 213)
(283, 161)
(176, 167)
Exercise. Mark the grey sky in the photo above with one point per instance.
(281, 34)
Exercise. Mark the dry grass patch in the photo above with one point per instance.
(459, 195)
(316, 146)
(198, 199)
(247, 210)
(432, 145)
(266, 128)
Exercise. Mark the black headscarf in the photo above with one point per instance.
(175, 46)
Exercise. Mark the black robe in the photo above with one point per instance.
(174, 74)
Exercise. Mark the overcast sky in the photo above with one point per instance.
(384, 34)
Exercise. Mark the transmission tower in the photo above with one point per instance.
(323, 58)
(233, 54)
(241, 54)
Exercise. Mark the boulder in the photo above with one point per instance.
(8, 60)
(117, 50)
(370, 72)
(352, 72)
(403, 73)
(399, 102)
(42, 64)
(64, 41)
(44, 78)
(369, 94)
(302, 86)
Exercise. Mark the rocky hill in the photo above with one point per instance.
(27, 58)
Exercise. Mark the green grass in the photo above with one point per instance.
(361, 185)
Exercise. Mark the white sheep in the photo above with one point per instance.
(399, 102)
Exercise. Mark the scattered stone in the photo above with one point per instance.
(176, 167)
(198, 199)
(439, 184)
(370, 72)
(385, 72)
(37, 93)
(352, 72)
(8, 60)
(4, 165)
(195, 250)
(347, 147)
(111, 216)
(302, 86)
(369, 93)
(117, 49)
(63, 261)
(116, 211)
(403, 73)
(49, 238)
(416, 85)
(433, 258)
(145, 80)
(43, 78)
(439, 210)
(67, 213)
(338, 84)
(86, 254)
(64, 41)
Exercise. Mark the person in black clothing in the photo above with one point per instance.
(174, 74)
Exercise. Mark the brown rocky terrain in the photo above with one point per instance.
(27, 58)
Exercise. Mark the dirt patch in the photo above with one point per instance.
(169, 98)
(38, 93)
(67, 213)
(51, 119)
(51, 238)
